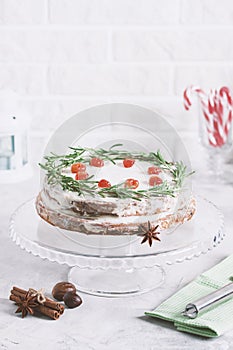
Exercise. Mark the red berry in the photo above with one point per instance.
(155, 180)
(104, 183)
(78, 167)
(81, 175)
(128, 163)
(131, 183)
(153, 170)
(97, 162)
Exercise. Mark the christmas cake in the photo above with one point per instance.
(113, 191)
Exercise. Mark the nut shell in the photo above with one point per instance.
(61, 288)
(72, 300)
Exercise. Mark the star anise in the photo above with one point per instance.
(150, 233)
(26, 305)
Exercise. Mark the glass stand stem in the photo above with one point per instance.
(215, 164)
(116, 283)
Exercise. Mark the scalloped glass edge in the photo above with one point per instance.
(104, 263)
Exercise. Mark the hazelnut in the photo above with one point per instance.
(61, 288)
(72, 300)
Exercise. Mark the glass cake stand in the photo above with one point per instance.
(117, 265)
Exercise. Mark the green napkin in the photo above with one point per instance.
(212, 321)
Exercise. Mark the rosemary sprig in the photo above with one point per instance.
(118, 191)
(86, 186)
(55, 164)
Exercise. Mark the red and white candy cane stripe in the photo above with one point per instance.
(188, 93)
(226, 91)
(228, 123)
(215, 106)
(217, 109)
(224, 114)
(207, 107)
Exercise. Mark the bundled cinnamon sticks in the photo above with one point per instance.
(28, 302)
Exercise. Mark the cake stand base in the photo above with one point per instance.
(117, 266)
(116, 283)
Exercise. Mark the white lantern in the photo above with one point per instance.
(14, 158)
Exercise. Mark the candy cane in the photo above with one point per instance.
(227, 102)
(187, 95)
(217, 112)
(228, 123)
(206, 109)
(226, 91)
(213, 107)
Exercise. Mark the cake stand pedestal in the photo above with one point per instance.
(115, 282)
(117, 266)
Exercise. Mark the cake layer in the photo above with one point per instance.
(113, 192)
(55, 198)
(110, 224)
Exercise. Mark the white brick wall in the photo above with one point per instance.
(30, 12)
(26, 79)
(211, 12)
(58, 45)
(172, 45)
(114, 12)
(109, 79)
(66, 55)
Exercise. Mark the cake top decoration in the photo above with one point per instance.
(69, 171)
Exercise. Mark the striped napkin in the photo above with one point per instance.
(212, 321)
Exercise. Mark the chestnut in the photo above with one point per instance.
(61, 288)
(72, 300)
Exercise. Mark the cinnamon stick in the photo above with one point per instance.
(40, 308)
(14, 298)
(50, 308)
(22, 291)
(46, 311)
(54, 305)
(49, 302)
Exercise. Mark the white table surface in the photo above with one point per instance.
(100, 323)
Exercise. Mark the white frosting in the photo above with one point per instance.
(95, 214)
(123, 210)
(116, 174)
